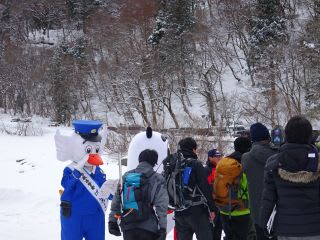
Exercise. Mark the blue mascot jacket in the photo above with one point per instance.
(87, 218)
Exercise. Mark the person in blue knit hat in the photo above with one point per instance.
(253, 163)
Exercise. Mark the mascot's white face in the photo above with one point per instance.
(73, 147)
(147, 140)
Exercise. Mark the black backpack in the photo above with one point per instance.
(177, 172)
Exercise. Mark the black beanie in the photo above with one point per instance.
(150, 156)
(298, 130)
(242, 144)
(187, 144)
(259, 132)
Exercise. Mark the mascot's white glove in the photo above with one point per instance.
(79, 166)
(108, 187)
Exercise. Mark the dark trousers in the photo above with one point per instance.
(217, 229)
(252, 231)
(236, 228)
(139, 234)
(260, 234)
(187, 225)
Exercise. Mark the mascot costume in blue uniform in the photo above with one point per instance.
(86, 191)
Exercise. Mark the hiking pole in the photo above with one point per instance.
(120, 187)
(211, 220)
(120, 177)
(118, 215)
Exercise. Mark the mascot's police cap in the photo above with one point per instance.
(88, 129)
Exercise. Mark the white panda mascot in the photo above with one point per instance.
(147, 140)
(150, 139)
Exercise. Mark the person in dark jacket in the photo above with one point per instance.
(195, 219)
(214, 157)
(154, 227)
(253, 164)
(292, 185)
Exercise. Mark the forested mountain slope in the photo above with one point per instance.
(158, 62)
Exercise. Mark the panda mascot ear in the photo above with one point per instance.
(149, 132)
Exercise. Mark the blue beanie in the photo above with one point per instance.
(259, 132)
(214, 153)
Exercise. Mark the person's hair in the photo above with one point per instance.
(242, 144)
(298, 130)
(187, 144)
(150, 156)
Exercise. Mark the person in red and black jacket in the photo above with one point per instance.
(214, 157)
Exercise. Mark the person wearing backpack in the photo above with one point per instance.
(141, 203)
(214, 156)
(231, 192)
(253, 163)
(292, 186)
(196, 208)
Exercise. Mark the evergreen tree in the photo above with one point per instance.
(173, 23)
(80, 9)
(268, 32)
(173, 47)
(174, 18)
(60, 89)
(68, 80)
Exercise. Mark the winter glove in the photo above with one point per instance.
(79, 166)
(162, 233)
(212, 216)
(114, 229)
(108, 188)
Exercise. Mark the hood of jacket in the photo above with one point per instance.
(298, 163)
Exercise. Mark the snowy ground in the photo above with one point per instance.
(29, 185)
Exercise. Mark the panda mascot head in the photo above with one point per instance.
(148, 139)
(84, 142)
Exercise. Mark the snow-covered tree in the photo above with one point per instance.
(267, 37)
(268, 32)
(310, 49)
